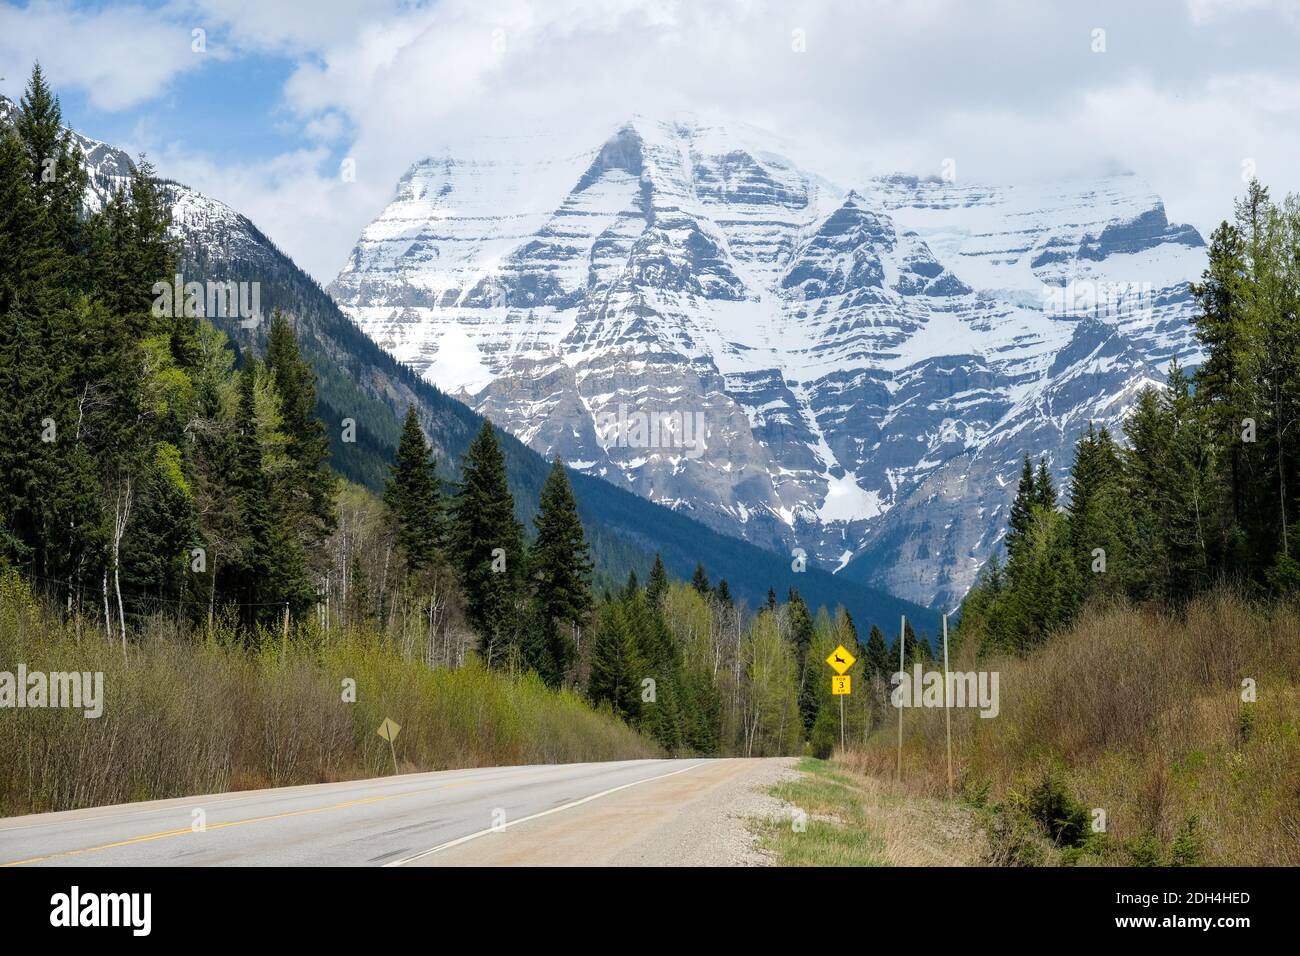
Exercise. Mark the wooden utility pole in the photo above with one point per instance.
(842, 747)
(902, 676)
(947, 717)
(284, 635)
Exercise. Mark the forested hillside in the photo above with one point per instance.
(1201, 490)
(167, 494)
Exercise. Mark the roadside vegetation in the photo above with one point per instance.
(190, 714)
(1143, 624)
(1136, 712)
(839, 816)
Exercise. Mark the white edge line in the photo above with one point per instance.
(545, 813)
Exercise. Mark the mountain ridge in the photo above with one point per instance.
(849, 351)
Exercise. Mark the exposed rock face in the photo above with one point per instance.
(857, 373)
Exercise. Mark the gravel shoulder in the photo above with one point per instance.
(697, 818)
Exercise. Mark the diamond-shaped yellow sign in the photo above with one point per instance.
(389, 729)
(840, 659)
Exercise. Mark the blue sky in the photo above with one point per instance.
(230, 109)
(1187, 93)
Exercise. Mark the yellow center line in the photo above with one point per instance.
(164, 834)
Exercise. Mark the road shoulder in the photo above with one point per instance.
(696, 818)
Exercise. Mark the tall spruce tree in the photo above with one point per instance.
(304, 490)
(613, 679)
(248, 483)
(1044, 488)
(1221, 386)
(658, 584)
(659, 659)
(724, 594)
(877, 655)
(560, 567)
(1095, 512)
(312, 485)
(56, 172)
(800, 623)
(700, 580)
(1021, 508)
(488, 546)
(413, 498)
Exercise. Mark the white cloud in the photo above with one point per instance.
(1011, 89)
(120, 56)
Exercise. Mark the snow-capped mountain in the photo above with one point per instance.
(852, 372)
(197, 220)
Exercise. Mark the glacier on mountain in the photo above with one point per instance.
(871, 363)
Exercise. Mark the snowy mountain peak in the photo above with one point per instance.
(862, 368)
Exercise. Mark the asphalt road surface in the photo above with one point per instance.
(556, 814)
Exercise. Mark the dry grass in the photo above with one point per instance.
(1141, 713)
(858, 820)
(183, 716)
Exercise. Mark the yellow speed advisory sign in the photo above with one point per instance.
(841, 660)
(842, 684)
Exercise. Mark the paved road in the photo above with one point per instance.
(389, 821)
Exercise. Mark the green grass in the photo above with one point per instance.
(837, 832)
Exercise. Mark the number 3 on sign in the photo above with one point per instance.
(841, 685)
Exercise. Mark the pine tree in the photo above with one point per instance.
(801, 627)
(700, 581)
(702, 730)
(1221, 330)
(1192, 505)
(724, 594)
(560, 564)
(1274, 366)
(487, 543)
(613, 664)
(659, 659)
(800, 623)
(155, 554)
(1147, 486)
(57, 176)
(248, 483)
(153, 258)
(918, 649)
(1044, 489)
(658, 585)
(413, 497)
(1042, 589)
(877, 655)
(1095, 512)
(1021, 508)
(1252, 212)
(304, 491)
(983, 612)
